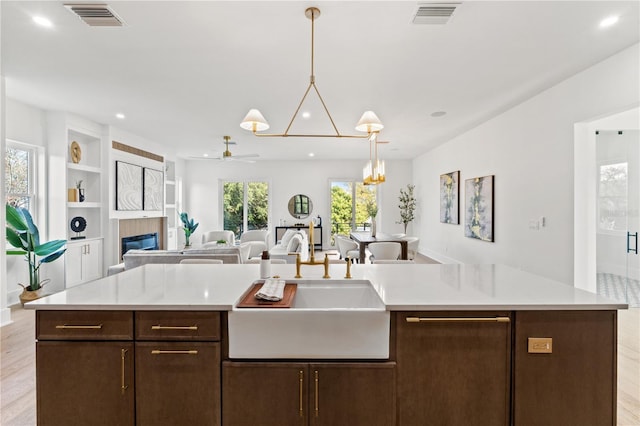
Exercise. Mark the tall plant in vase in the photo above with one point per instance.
(372, 211)
(407, 206)
(23, 234)
(188, 226)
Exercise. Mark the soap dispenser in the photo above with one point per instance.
(265, 265)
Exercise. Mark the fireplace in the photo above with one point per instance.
(140, 242)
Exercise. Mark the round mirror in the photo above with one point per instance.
(300, 206)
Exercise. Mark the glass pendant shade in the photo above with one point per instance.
(369, 122)
(254, 121)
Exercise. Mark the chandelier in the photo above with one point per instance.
(255, 122)
(373, 171)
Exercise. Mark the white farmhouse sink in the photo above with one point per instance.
(328, 319)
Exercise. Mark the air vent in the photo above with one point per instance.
(95, 14)
(434, 13)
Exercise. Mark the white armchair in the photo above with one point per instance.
(384, 251)
(257, 239)
(213, 236)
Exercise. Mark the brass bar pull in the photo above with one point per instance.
(79, 327)
(123, 386)
(177, 327)
(316, 396)
(186, 352)
(458, 319)
(300, 390)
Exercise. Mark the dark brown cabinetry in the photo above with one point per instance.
(283, 393)
(84, 382)
(177, 368)
(88, 362)
(453, 368)
(574, 384)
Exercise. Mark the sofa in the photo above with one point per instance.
(292, 242)
(135, 258)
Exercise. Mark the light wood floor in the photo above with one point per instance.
(17, 376)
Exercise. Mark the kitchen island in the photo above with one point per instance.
(467, 344)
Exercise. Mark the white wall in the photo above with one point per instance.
(5, 312)
(530, 150)
(202, 199)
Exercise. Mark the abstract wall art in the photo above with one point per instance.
(479, 208)
(450, 198)
(153, 189)
(128, 186)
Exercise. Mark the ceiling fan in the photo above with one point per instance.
(228, 156)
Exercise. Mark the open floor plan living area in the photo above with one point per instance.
(255, 213)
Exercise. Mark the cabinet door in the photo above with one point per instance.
(84, 383)
(73, 264)
(574, 384)
(177, 383)
(453, 370)
(265, 394)
(354, 394)
(92, 261)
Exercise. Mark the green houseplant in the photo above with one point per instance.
(407, 206)
(188, 226)
(23, 234)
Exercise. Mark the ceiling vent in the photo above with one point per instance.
(434, 13)
(95, 14)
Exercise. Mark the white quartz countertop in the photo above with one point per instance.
(402, 287)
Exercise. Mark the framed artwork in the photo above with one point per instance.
(128, 186)
(450, 198)
(479, 208)
(153, 189)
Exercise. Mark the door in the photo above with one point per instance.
(265, 394)
(92, 261)
(85, 383)
(349, 201)
(177, 383)
(354, 394)
(453, 368)
(618, 217)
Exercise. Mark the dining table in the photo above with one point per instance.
(364, 239)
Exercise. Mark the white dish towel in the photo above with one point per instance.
(272, 290)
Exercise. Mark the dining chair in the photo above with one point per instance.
(347, 247)
(384, 251)
(412, 247)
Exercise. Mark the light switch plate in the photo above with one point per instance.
(540, 345)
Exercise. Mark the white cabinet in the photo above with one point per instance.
(83, 261)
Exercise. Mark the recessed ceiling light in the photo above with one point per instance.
(306, 114)
(205, 155)
(438, 113)
(311, 154)
(42, 21)
(609, 21)
(120, 116)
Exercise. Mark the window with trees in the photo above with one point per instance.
(245, 206)
(20, 175)
(349, 200)
(612, 197)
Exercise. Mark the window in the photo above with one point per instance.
(348, 206)
(20, 175)
(245, 206)
(612, 197)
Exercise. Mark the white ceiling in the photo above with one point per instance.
(186, 73)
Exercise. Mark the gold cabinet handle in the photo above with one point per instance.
(316, 395)
(458, 319)
(187, 352)
(79, 327)
(177, 327)
(123, 355)
(300, 390)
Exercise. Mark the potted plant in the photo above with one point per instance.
(188, 226)
(407, 206)
(23, 234)
(372, 211)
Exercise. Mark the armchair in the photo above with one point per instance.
(213, 236)
(257, 239)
